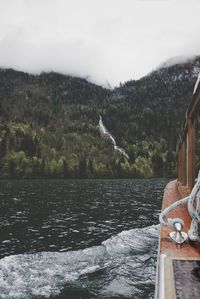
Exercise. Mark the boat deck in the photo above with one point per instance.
(179, 266)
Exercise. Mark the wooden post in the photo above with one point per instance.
(179, 161)
(191, 153)
(178, 175)
(183, 161)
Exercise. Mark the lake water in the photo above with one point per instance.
(78, 239)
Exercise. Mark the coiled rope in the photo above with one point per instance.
(193, 201)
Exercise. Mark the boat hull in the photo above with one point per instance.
(173, 257)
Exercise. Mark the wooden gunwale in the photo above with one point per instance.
(190, 250)
(170, 251)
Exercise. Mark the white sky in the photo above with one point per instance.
(105, 40)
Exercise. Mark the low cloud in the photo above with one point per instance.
(107, 41)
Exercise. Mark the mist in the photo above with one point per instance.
(107, 42)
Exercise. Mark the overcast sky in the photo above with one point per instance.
(105, 40)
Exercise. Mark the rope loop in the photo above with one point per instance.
(193, 202)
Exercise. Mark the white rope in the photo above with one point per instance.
(193, 201)
(194, 210)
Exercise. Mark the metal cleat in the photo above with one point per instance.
(178, 236)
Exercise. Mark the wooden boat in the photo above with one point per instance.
(178, 267)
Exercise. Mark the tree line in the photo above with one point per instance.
(49, 124)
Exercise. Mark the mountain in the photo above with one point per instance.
(49, 124)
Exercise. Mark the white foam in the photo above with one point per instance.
(132, 240)
(45, 274)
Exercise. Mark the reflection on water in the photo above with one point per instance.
(41, 216)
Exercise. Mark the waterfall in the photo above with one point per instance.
(197, 84)
(106, 134)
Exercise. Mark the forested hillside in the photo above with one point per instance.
(49, 124)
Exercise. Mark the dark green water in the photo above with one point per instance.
(47, 223)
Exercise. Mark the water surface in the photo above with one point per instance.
(79, 238)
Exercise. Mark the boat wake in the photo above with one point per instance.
(121, 267)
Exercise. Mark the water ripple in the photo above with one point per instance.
(122, 266)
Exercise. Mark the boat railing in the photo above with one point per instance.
(188, 145)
